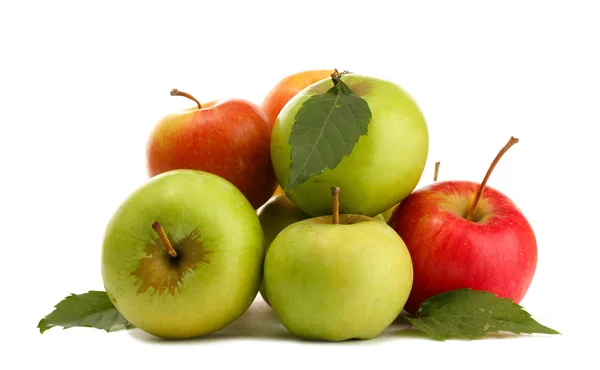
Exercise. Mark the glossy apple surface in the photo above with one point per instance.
(337, 281)
(219, 244)
(496, 251)
(230, 138)
(385, 165)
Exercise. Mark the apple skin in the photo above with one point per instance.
(229, 138)
(288, 87)
(278, 213)
(220, 244)
(387, 214)
(383, 168)
(337, 282)
(495, 252)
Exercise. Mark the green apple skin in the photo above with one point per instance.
(384, 167)
(337, 282)
(387, 214)
(278, 213)
(220, 244)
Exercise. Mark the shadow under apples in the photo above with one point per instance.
(260, 322)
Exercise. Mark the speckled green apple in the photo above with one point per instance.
(278, 213)
(335, 282)
(385, 165)
(210, 273)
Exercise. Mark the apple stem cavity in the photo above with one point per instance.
(436, 171)
(176, 92)
(512, 141)
(335, 191)
(163, 236)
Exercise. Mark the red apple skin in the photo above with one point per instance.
(496, 252)
(230, 139)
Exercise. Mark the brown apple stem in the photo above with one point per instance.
(437, 170)
(161, 233)
(176, 92)
(336, 76)
(336, 205)
(512, 141)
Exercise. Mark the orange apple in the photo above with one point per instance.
(286, 89)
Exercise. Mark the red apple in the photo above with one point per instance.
(229, 138)
(462, 234)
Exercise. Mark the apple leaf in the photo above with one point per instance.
(326, 128)
(92, 309)
(469, 314)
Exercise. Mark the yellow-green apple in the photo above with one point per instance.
(228, 138)
(337, 277)
(463, 234)
(183, 254)
(278, 213)
(286, 89)
(383, 168)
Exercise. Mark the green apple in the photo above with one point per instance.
(183, 254)
(383, 168)
(278, 213)
(387, 214)
(337, 281)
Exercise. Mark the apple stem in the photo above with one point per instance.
(512, 141)
(336, 76)
(161, 233)
(437, 170)
(176, 92)
(336, 205)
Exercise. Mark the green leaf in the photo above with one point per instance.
(92, 309)
(469, 314)
(326, 128)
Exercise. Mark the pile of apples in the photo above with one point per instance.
(337, 257)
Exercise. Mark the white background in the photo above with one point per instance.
(83, 83)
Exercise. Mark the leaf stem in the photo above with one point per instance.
(512, 141)
(336, 205)
(176, 92)
(163, 236)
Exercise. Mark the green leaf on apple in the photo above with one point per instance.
(470, 314)
(92, 309)
(326, 128)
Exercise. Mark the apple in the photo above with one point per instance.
(463, 234)
(278, 213)
(337, 277)
(228, 138)
(383, 168)
(182, 255)
(286, 89)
